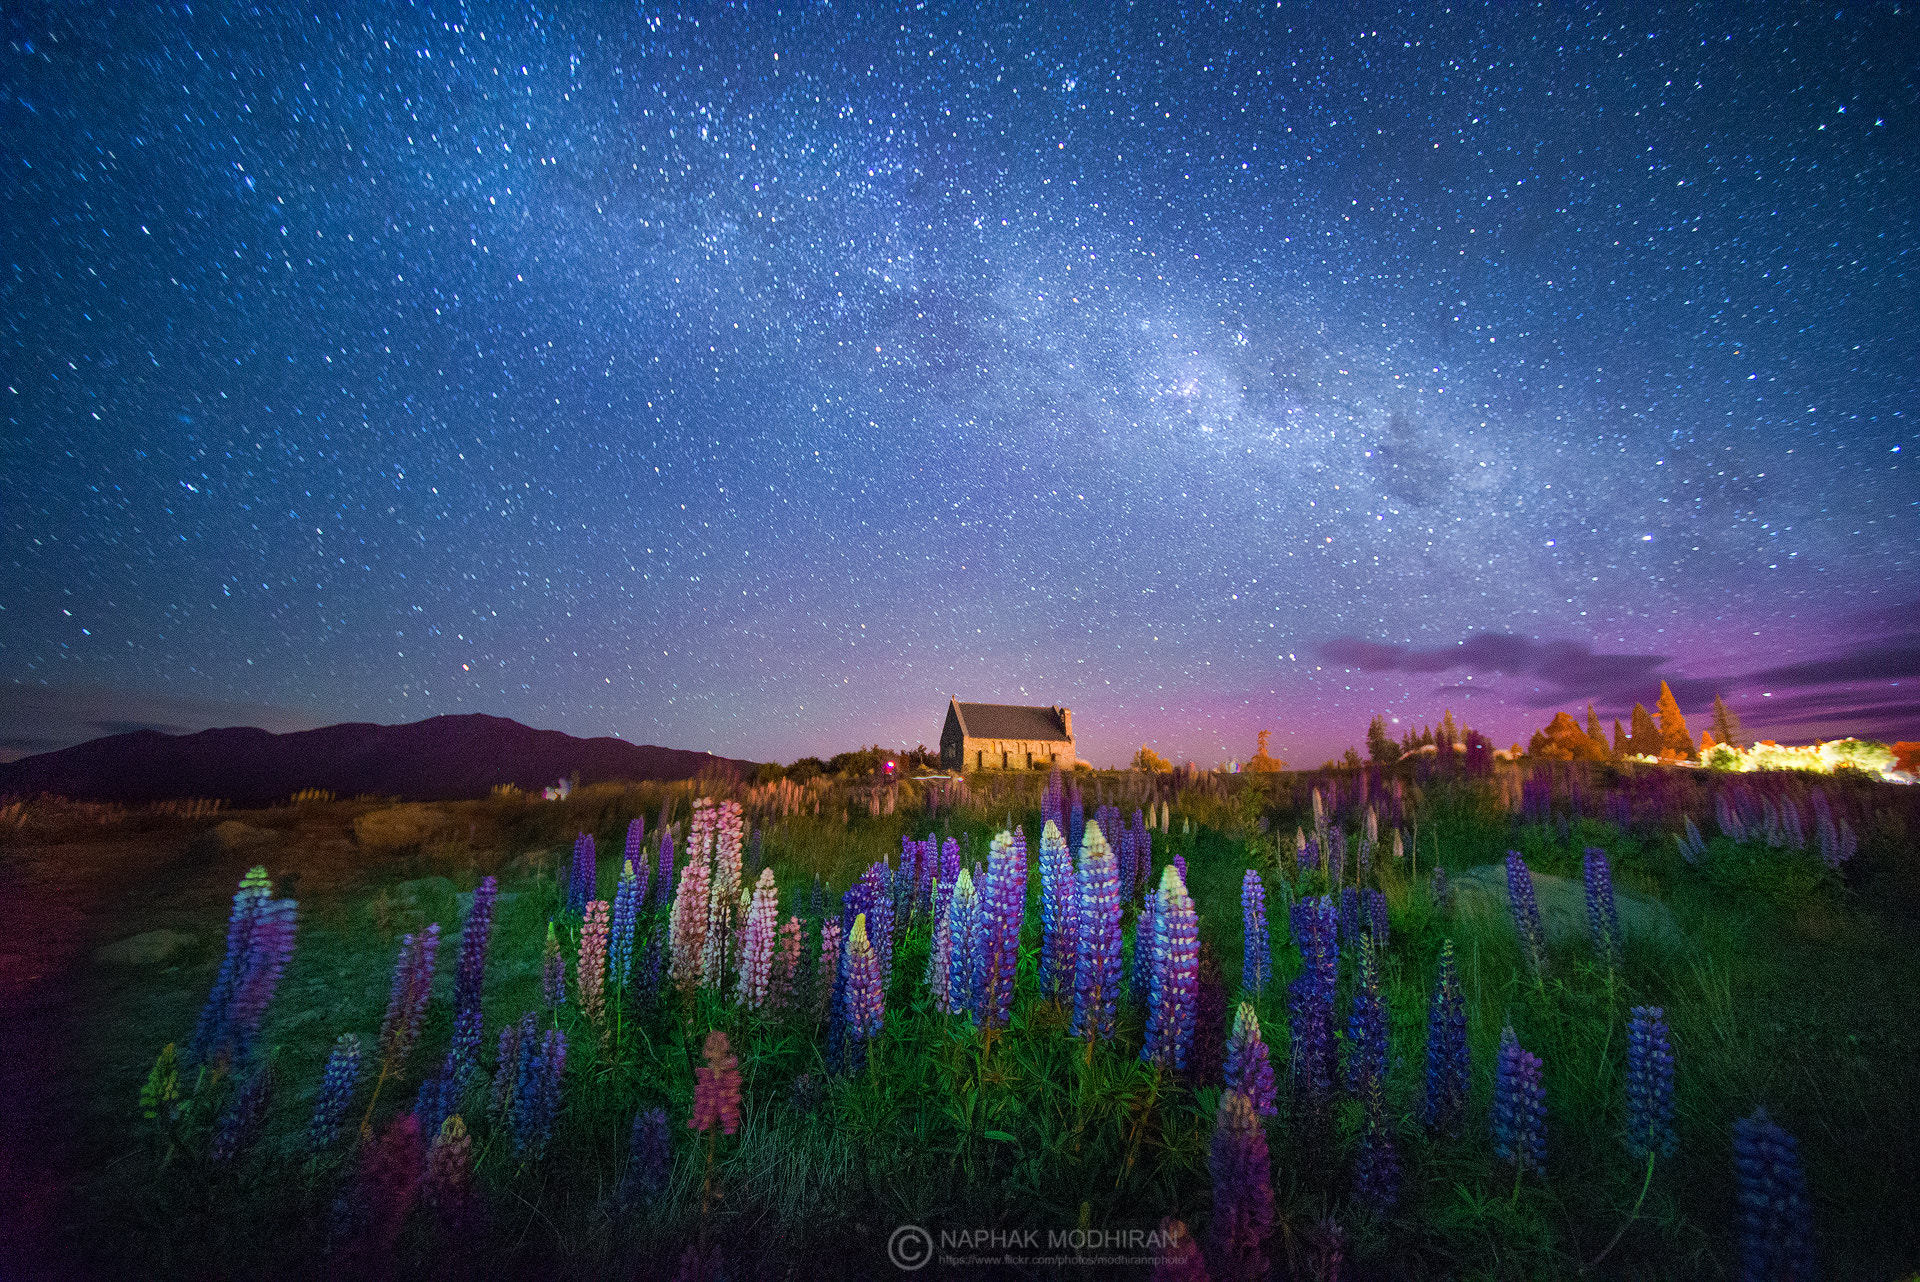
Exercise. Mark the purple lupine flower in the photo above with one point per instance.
(1077, 820)
(1142, 864)
(940, 954)
(1337, 855)
(1310, 1003)
(1140, 978)
(636, 855)
(844, 1051)
(1051, 801)
(438, 1099)
(1376, 1170)
(1256, 964)
(716, 1092)
(337, 1084)
(1128, 853)
(244, 1117)
(1097, 964)
(1209, 1022)
(553, 972)
(649, 1157)
(515, 1041)
(666, 862)
(581, 877)
(536, 1100)
(1349, 916)
(1649, 1083)
(963, 931)
(1367, 1028)
(1776, 1215)
(1602, 920)
(1378, 921)
(1242, 1190)
(628, 894)
(1180, 862)
(407, 1001)
(1249, 1067)
(1056, 911)
(1180, 1259)
(873, 896)
(369, 1217)
(1519, 1106)
(1002, 909)
(469, 980)
(255, 889)
(448, 1184)
(268, 948)
(1448, 1070)
(866, 998)
(1172, 994)
(1526, 914)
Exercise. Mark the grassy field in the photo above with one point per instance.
(1787, 985)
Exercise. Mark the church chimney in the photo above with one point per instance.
(1066, 718)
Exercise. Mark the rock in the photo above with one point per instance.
(1563, 904)
(225, 838)
(150, 949)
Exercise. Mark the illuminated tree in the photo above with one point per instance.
(1261, 762)
(1150, 761)
(1726, 724)
(1674, 735)
(1644, 741)
(1621, 744)
(1595, 733)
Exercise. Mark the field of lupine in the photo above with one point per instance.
(1262, 1020)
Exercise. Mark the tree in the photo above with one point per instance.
(1644, 740)
(1381, 748)
(1674, 735)
(1726, 724)
(1447, 735)
(1261, 763)
(1150, 761)
(1595, 733)
(1352, 760)
(1621, 744)
(1564, 740)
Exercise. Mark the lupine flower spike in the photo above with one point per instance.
(1776, 1217)
(1256, 966)
(337, 1084)
(1526, 914)
(1249, 1067)
(1519, 1108)
(469, 979)
(406, 1007)
(866, 1000)
(649, 1154)
(1602, 919)
(716, 1095)
(1367, 1029)
(1242, 1190)
(215, 1015)
(628, 895)
(1097, 970)
(1649, 1083)
(536, 1102)
(553, 973)
(1310, 1001)
(1448, 1071)
(1173, 994)
(757, 946)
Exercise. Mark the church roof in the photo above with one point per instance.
(1010, 721)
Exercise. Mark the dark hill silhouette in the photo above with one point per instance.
(440, 759)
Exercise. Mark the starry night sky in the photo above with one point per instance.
(753, 379)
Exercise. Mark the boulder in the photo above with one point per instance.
(1563, 904)
(149, 949)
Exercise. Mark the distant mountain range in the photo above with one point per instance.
(440, 759)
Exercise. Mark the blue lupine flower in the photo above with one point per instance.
(1310, 1002)
(1367, 1028)
(1256, 965)
(628, 895)
(1173, 996)
(581, 877)
(1519, 1106)
(536, 1101)
(1649, 1083)
(337, 1084)
(1249, 1066)
(1526, 913)
(1602, 920)
(649, 1154)
(1057, 910)
(1776, 1216)
(1097, 969)
(1376, 1170)
(1377, 920)
(1448, 1071)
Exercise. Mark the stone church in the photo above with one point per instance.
(1005, 736)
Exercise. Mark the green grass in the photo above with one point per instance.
(1790, 990)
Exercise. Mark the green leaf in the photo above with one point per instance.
(1002, 1136)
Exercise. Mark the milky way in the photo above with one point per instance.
(753, 380)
